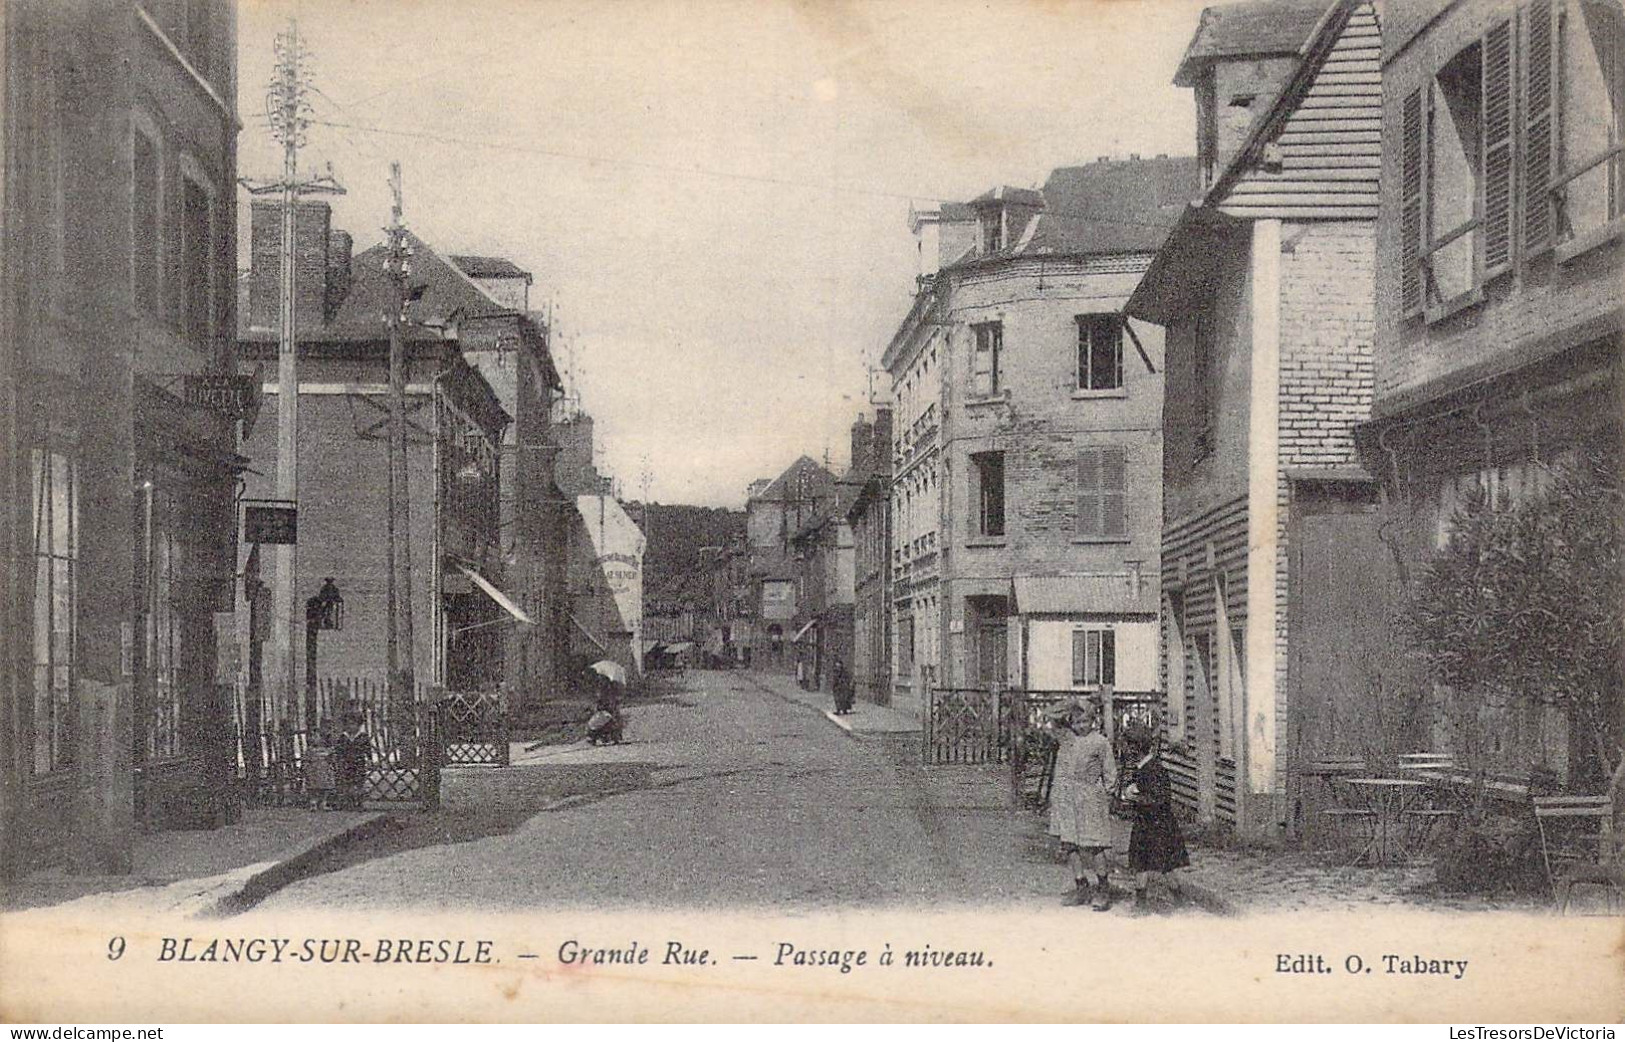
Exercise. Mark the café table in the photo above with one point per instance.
(1388, 799)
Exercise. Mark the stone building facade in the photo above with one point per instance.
(120, 424)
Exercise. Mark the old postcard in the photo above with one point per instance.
(812, 510)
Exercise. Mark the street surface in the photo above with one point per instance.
(727, 795)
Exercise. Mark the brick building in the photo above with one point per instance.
(1271, 584)
(118, 424)
(461, 602)
(1027, 452)
(1498, 319)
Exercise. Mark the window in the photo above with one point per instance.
(1592, 50)
(985, 365)
(197, 247)
(146, 265)
(1456, 165)
(1102, 475)
(1094, 657)
(1100, 353)
(993, 229)
(905, 644)
(988, 471)
(55, 488)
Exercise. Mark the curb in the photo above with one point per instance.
(287, 870)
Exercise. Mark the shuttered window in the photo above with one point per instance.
(1102, 477)
(1497, 149)
(985, 360)
(1540, 38)
(1413, 273)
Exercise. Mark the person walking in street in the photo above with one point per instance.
(842, 684)
(1085, 776)
(1155, 845)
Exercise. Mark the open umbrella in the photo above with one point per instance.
(611, 670)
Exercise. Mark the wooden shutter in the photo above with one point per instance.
(1080, 658)
(1113, 478)
(1412, 282)
(1108, 658)
(1496, 99)
(1539, 122)
(1089, 497)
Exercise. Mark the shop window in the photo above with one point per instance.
(163, 631)
(987, 470)
(1094, 657)
(985, 364)
(1102, 477)
(1100, 353)
(55, 514)
(1592, 50)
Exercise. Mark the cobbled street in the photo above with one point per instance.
(738, 797)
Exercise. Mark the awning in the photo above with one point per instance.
(497, 595)
(1082, 595)
(802, 632)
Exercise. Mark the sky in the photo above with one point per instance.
(712, 196)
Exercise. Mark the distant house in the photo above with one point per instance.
(823, 556)
(775, 512)
(1265, 286)
(1026, 455)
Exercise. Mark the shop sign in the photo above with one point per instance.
(272, 524)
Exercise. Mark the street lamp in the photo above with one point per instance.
(325, 611)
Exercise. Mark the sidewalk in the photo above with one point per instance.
(203, 872)
(865, 718)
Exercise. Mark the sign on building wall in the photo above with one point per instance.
(272, 524)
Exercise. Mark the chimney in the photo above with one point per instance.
(311, 234)
(862, 443)
(339, 248)
(880, 453)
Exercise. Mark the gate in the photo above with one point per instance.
(472, 730)
(273, 755)
(998, 725)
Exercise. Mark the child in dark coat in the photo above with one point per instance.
(1155, 845)
(351, 751)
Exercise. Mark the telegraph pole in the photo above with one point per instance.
(402, 676)
(287, 106)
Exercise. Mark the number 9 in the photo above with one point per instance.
(115, 949)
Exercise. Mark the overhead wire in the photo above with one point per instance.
(697, 171)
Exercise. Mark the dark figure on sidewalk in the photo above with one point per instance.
(1155, 845)
(606, 725)
(843, 688)
(351, 751)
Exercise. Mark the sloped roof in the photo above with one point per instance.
(1107, 207)
(1009, 194)
(779, 489)
(1082, 595)
(1252, 29)
(476, 266)
(360, 316)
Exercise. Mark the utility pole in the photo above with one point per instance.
(402, 676)
(287, 106)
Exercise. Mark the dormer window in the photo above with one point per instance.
(992, 229)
